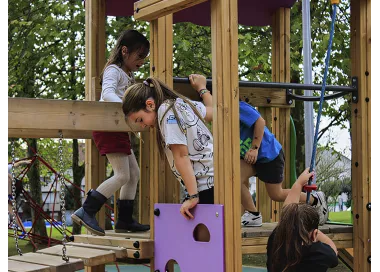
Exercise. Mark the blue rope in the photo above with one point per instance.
(312, 163)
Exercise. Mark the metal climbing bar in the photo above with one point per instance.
(279, 85)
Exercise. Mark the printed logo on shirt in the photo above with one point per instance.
(171, 120)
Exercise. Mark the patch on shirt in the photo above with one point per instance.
(171, 120)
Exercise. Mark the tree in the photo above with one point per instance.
(333, 172)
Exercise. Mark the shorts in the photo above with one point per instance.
(112, 142)
(271, 172)
(206, 196)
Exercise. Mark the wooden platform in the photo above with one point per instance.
(126, 245)
(42, 262)
(255, 239)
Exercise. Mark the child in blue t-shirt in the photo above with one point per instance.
(261, 155)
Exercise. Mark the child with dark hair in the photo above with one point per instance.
(296, 244)
(127, 57)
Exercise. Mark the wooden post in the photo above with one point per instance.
(164, 187)
(95, 170)
(281, 73)
(224, 36)
(263, 201)
(361, 132)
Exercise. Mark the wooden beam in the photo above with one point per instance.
(224, 37)
(149, 10)
(43, 118)
(257, 97)
(361, 132)
(281, 73)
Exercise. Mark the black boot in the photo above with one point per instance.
(125, 222)
(86, 215)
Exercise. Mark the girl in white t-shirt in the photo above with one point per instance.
(183, 136)
(127, 57)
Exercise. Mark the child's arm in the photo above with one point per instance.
(258, 133)
(321, 237)
(183, 165)
(295, 192)
(198, 82)
(110, 81)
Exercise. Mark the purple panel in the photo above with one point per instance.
(250, 12)
(173, 238)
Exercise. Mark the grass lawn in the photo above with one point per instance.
(26, 246)
(342, 217)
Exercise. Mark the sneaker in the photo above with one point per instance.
(321, 207)
(250, 220)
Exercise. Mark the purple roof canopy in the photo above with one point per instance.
(250, 12)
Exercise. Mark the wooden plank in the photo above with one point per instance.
(224, 30)
(131, 235)
(16, 266)
(144, 3)
(120, 252)
(72, 115)
(258, 244)
(155, 10)
(90, 257)
(114, 241)
(48, 133)
(55, 263)
(266, 229)
(361, 117)
(346, 258)
(261, 97)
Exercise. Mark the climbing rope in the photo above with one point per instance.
(310, 186)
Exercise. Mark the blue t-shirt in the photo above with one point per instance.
(269, 148)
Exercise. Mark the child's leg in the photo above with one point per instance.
(246, 171)
(128, 190)
(120, 166)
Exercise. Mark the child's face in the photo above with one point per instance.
(133, 61)
(144, 118)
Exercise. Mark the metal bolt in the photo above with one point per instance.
(275, 118)
(368, 206)
(367, 99)
(290, 101)
(156, 212)
(137, 10)
(217, 214)
(356, 164)
(275, 211)
(354, 97)
(247, 99)
(153, 68)
(136, 244)
(136, 254)
(369, 259)
(357, 216)
(366, 73)
(356, 111)
(268, 100)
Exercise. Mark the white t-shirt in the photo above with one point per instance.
(115, 82)
(197, 138)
